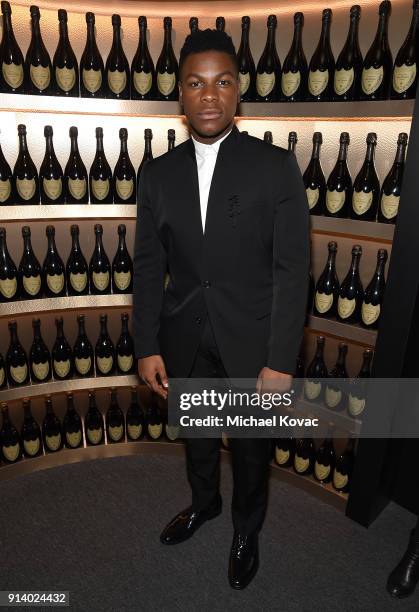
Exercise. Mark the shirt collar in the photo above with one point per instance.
(202, 149)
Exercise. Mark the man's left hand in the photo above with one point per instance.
(271, 381)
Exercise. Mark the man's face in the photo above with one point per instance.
(209, 91)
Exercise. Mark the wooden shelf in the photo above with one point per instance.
(371, 230)
(42, 306)
(67, 211)
(343, 331)
(340, 420)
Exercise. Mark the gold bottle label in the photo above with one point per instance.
(281, 456)
(370, 313)
(61, 368)
(371, 79)
(346, 307)
(290, 82)
(100, 280)
(26, 188)
(53, 442)
(312, 196)
(312, 389)
(225, 440)
(73, 438)
(104, 364)
(134, 431)
(125, 362)
(172, 431)
(166, 82)
(19, 373)
(323, 301)
(12, 74)
(55, 282)
(321, 471)
(32, 284)
(332, 397)
(100, 188)
(117, 80)
(361, 201)
(155, 431)
(41, 370)
(265, 82)
(124, 188)
(94, 435)
(122, 279)
(66, 77)
(115, 433)
(78, 281)
(301, 464)
(403, 77)
(317, 81)
(356, 405)
(8, 287)
(83, 365)
(2, 376)
(390, 205)
(31, 447)
(335, 200)
(40, 76)
(340, 480)
(5, 190)
(77, 188)
(244, 82)
(343, 80)
(92, 79)
(11, 452)
(53, 188)
(143, 82)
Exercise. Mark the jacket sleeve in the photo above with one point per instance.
(149, 273)
(291, 262)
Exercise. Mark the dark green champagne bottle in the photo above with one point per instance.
(267, 137)
(12, 76)
(100, 175)
(314, 384)
(134, 418)
(284, 452)
(31, 433)
(125, 358)
(124, 180)
(50, 173)
(171, 137)
(115, 423)
(38, 67)
(11, 445)
(29, 269)
(366, 192)
(122, 266)
(104, 350)
(322, 64)
(51, 429)
(351, 292)
(53, 270)
(25, 174)
(6, 181)
(167, 68)
(344, 468)
(220, 24)
(154, 419)
(247, 70)
(357, 388)
(143, 74)
(75, 174)
(378, 62)
(327, 287)
(117, 67)
(99, 266)
(325, 460)
(92, 70)
(62, 357)
(335, 393)
(348, 70)
(83, 351)
(405, 78)
(3, 377)
(292, 141)
(268, 72)
(72, 425)
(295, 69)
(94, 423)
(65, 66)
(304, 456)
(193, 24)
(339, 184)
(148, 153)
(374, 294)
(314, 180)
(77, 270)
(16, 359)
(392, 185)
(39, 356)
(9, 275)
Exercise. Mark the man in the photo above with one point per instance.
(226, 214)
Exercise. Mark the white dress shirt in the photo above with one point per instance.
(206, 156)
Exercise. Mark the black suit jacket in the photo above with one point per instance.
(249, 270)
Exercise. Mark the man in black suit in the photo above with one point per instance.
(226, 214)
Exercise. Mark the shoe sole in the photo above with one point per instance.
(209, 518)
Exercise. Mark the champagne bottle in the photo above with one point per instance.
(51, 429)
(92, 70)
(304, 456)
(284, 452)
(154, 419)
(72, 425)
(327, 287)
(125, 358)
(193, 24)
(314, 180)
(392, 185)
(292, 141)
(143, 75)
(167, 68)
(310, 293)
(11, 445)
(11, 58)
(115, 423)
(268, 73)
(124, 181)
(3, 378)
(31, 433)
(374, 294)
(53, 270)
(29, 269)
(75, 174)
(297, 381)
(335, 393)
(9, 275)
(50, 173)
(247, 70)
(378, 62)
(322, 64)
(171, 431)
(358, 386)
(351, 292)
(38, 68)
(134, 418)
(404, 79)
(316, 371)
(62, 357)
(220, 24)
(100, 175)
(267, 137)
(148, 153)
(16, 359)
(343, 468)
(25, 174)
(117, 68)
(171, 137)
(94, 423)
(295, 69)
(104, 350)
(99, 266)
(83, 351)
(76, 268)
(325, 460)
(339, 183)
(122, 266)
(39, 356)
(65, 66)
(366, 192)
(348, 70)
(6, 179)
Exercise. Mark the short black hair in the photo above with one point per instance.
(207, 40)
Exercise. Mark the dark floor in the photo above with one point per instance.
(92, 528)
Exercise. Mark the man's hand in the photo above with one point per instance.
(271, 381)
(148, 368)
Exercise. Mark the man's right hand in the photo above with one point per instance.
(148, 368)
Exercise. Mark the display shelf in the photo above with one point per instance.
(343, 331)
(47, 212)
(300, 111)
(72, 385)
(42, 306)
(352, 228)
(339, 420)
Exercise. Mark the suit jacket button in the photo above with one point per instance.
(198, 320)
(206, 284)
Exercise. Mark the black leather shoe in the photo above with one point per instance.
(403, 579)
(244, 560)
(184, 524)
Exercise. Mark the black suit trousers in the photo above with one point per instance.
(250, 457)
